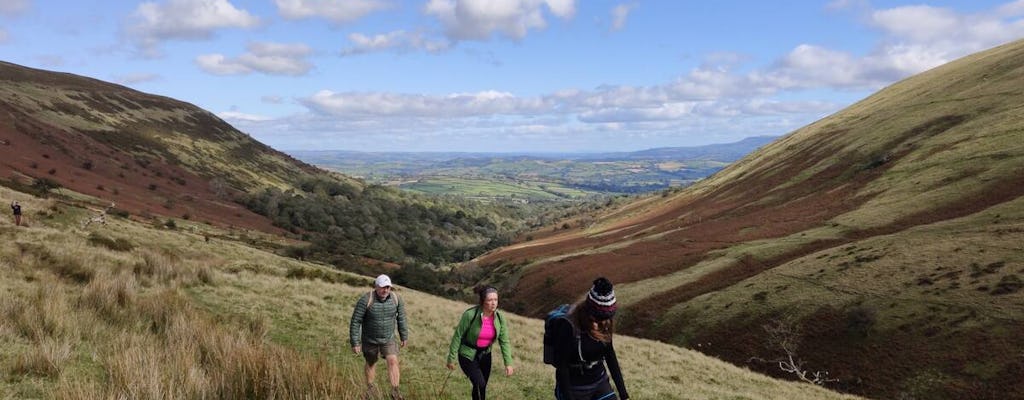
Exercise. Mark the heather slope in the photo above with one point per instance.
(890, 230)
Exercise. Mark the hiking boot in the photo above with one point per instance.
(371, 392)
(395, 394)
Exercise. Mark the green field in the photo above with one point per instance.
(484, 189)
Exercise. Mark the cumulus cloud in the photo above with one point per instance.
(456, 105)
(482, 19)
(399, 41)
(337, 11)
(13, 7)
(262, 57)
(153, 23)
(723, 98)
(620, 14)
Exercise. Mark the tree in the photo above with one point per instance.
(784, 333)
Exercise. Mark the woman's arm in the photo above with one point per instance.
(613, 368)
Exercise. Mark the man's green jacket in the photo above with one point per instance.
(376, 324)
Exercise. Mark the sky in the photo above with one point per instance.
(504, 75)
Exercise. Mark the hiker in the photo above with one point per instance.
(17, 213)
(479, 327)
(582, 344)
(372, 332)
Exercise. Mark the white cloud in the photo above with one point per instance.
(400, 41)
(456, 105)
(481, 19)
(263, 57)
(337, 11)
(13, 7)
(242, 117)
(917, 23)
(4, 37)
(620, 14)
(153, 23)
(132, 79)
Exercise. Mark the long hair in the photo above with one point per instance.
(585, 322)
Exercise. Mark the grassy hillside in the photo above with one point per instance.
(889, 233)
(126, 310)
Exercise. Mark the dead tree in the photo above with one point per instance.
(784, 334)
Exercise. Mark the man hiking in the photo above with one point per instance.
(372, 333)
(17, 213)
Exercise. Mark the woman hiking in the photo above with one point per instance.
(479, 327)
(582, 346)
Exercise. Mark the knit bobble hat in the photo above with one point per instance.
(601, 299)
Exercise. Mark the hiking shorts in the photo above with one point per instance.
(373, 351)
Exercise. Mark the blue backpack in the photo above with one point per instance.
(560, 312)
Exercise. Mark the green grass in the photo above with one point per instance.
(116, 331)
(489, 188)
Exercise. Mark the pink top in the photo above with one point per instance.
(487, 332)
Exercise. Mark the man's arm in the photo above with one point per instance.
(403, 328)
(355, 326)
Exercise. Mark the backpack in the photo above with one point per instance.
(560, 312)
(369, 301)
(465, 334)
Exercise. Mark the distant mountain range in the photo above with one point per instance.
(522, 175)
(725, 152)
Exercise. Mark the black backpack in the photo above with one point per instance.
(560, 312)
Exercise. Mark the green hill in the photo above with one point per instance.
(889, 233)
(128, 310)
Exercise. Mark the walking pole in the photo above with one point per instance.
(444, 384)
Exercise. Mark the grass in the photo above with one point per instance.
(175, 317)
(491, 188)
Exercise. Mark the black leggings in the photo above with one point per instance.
(602, 390)
(478, 371)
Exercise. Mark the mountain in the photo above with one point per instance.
(886, 238)
(723, 152)
(148, 154)
(161, 160)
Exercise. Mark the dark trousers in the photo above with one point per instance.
(478, 371)
(602, 390)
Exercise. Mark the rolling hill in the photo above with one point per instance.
(888, 236)
(129, 310)
(160, 159)
(148, 154)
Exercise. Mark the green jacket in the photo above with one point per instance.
(471, 320)
(376, 324)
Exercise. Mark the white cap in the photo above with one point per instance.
(382, 281)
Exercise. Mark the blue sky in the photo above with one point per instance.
(504, 75)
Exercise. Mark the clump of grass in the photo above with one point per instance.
(193, 356)
(110, 295)
(67, 267)
(43, 315)
(118, 244)
(47, 359)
